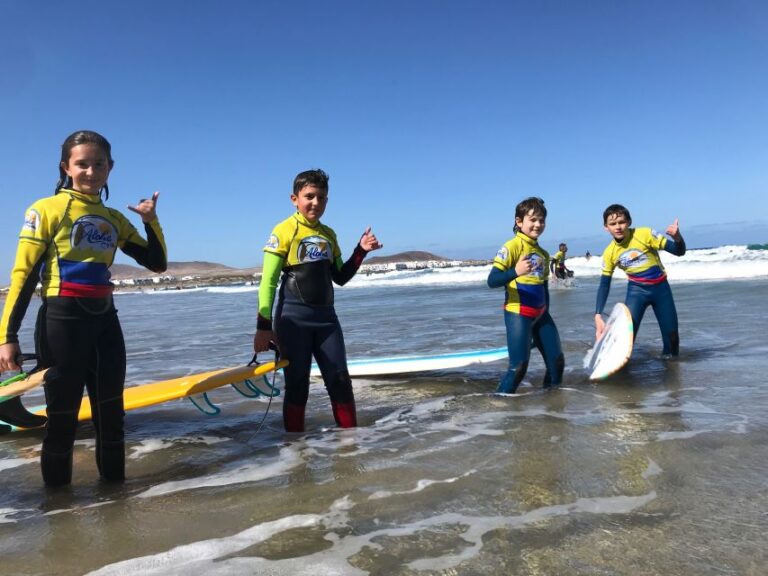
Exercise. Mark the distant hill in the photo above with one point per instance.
(204, 269)
(212, 269)
(413, 256)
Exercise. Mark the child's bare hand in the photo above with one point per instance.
(674, 229)
(599, 326)
(146, 208)
(261, 340)
(369, 242)
(524, 265)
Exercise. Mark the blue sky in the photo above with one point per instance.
(433, 118)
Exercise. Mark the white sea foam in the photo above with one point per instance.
(721, 263)
(420, 485)
(6, 513)
(15, 463)
(209, 556)
(155, 444)
(288, 459)
(701, 264)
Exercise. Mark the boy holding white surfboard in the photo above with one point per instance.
(636, 251)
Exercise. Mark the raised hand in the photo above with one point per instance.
(369, 242)
(674, 229)
(146, 208)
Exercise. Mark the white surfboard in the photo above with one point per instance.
(612, 351)
(409, 364)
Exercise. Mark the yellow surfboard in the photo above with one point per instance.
(158, 392)
(192, 385)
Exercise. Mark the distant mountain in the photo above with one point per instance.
(413, 256)
(205, 269)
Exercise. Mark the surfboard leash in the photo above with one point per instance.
(22, 375)
(273, 347)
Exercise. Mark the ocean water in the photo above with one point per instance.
(662, 470)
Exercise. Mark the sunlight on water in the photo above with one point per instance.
(656, 471)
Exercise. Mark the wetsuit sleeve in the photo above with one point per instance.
(602, 294)
(503, 270)
(676, 248)
(498, 278)
(150, 253)
(30, 256)
(270, 273)
(343, 273)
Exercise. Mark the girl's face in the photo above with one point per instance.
(88, 166)
(532, 225)
(617, 225)
(311, 202)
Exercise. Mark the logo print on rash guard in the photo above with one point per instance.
(313, 249)
(538, 265)
(93, 233)
(632, 258)
(31, 219)
(273, 243)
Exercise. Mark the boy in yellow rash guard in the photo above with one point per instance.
(636, 251)
(70, 240)
(308, 255)
(522, 267)
(557, 264)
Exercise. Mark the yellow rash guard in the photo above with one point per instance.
(637, 255)
(68, 242)
(526, 295)
(308, 255)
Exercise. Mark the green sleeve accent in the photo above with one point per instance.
(270, 273)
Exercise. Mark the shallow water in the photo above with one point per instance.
(660, 470)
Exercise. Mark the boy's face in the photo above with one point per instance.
(617, 226)
(311, 202)
(532, 225)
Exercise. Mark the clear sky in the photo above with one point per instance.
(433, 117)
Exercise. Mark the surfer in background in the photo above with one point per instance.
(305, 322)
(557, 264)
(70, 239)
(522, 266)
(636, 251)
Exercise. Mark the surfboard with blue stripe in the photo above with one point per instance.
(393, 365)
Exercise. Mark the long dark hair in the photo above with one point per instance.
(75, 139)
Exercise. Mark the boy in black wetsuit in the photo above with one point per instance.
(305, 323)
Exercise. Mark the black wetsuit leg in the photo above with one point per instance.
(304, 331)
(83, 345)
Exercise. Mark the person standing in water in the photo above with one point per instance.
(68, 242)
(522, 267)
(636, 252)
(307, 254)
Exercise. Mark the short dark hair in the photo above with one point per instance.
(75, 139)
(616, 210)
(532, 203)
(314, 177)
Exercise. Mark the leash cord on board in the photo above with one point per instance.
(272, 346)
